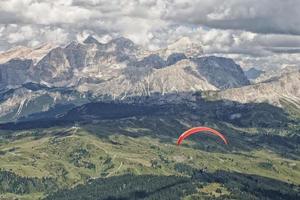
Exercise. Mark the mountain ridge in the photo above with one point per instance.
(64, 66)
(80, 73)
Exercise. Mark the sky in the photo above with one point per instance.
(256, 33)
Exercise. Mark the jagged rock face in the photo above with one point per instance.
(273, 91)
(122, 44)
(66, 66)
(137, 81)
(117, 70)
(92, 62)
(76, 55)
(151, 61)
(221, 72)
(54, 67)
(14, 72)
(18, 52)
(26, 53)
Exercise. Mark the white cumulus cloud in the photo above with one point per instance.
(268, 30)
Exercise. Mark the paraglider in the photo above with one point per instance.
(200, 129)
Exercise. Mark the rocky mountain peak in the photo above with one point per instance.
(122, 43)
(221, 72)
(187, 46)
(91, 40)
(276, 91)
(22, 52)
(118, 70)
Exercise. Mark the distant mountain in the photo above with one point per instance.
(221, 72)
(30, 99)
(15, 72)
(278, 91)
(91, 40)
(22, 52)
(117, 70)
(253, 73)
(91, 61)
(184, 45)
(273, 73)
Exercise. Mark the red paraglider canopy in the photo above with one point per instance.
(200, 129)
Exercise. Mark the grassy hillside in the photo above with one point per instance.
(46, 159)
(74, 155)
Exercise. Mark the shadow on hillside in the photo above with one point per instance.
(259, 115)
(247, 186)
(125, 187)
(167, 121)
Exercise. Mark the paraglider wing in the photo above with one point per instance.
(200, 129)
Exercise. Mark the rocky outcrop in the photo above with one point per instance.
(221, 72)
(275, 91)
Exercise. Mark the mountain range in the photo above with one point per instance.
(93, 120)
(44, 78)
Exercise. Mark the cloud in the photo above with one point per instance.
(28, 35)
(273, 61)
(43, 12)
(248, 28)
(259, 16)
